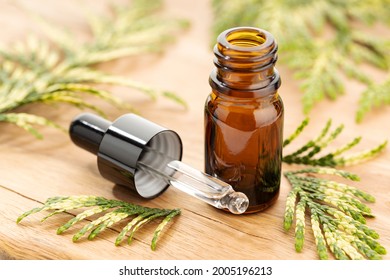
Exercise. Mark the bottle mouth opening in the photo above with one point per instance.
(246, 39)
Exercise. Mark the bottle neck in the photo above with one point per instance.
(245, 58)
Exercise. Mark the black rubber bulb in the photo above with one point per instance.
(120, 144)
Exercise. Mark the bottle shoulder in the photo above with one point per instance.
(229, 102)
(254, 112)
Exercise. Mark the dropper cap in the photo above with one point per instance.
(121, 144)
(145, 157)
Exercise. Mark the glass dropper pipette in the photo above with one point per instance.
(144, 156)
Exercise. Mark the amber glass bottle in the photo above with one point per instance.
(244, 116)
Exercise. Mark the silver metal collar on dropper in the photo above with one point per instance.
(145, 157)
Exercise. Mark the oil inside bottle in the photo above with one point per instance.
(244, 146)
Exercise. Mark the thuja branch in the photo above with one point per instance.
(320, 59)
(337, 213)
(306, 154)
(35, 71)
(376, 95)
(120, 210)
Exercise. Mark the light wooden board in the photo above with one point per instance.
(31, 170)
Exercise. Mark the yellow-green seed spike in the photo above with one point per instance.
(80, 217)
(146, 217)
(347, 146)
(300, 225)
(126, 229)
(52, 214)
(331, 240)
(297, 132)
(161, 226)
(374, 244)
(90, 226)
(28, 213)
(318, 237)
(115, 217)
(290, 209)
(362, 156)
(366, 250)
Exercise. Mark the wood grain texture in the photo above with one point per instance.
(31, 170)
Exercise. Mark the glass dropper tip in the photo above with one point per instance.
(236, 202)
(198, 184)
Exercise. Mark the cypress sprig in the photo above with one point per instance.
(338, 216)
(306, 153)
(345, 222)
(290, 209)
(62, 70)
(338, 187)
(121, 210)
(319, 58)
(318, 236)
(338, 212)
(375, 96)
(297, 132)
(300, 225)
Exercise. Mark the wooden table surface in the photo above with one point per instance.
(31, 170)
